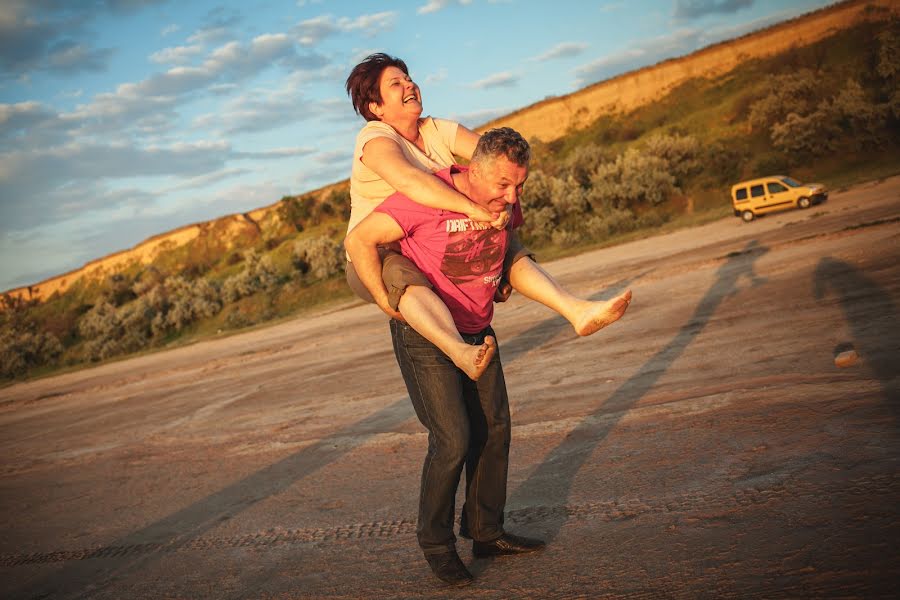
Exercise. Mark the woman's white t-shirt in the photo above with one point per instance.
(368, 189)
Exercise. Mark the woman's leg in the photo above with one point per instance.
(410, 292)
(586, 316)
(431, 318)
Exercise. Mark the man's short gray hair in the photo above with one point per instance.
(503, 141)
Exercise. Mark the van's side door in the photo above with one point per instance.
(778, 196)
(758, 200)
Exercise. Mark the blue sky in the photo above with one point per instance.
(121, 119)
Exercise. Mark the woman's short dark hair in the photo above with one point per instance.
(362, 84)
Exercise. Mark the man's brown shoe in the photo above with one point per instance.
(505, 545)
(449, 568)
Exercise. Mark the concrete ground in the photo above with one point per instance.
(706, 446)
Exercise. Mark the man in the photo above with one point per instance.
(468, 421)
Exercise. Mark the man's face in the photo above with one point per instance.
(497, 182)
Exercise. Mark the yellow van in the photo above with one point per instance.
(771, 194)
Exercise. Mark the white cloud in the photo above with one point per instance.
(563, 50)
(440, 75)
(31, 124)
(382, 20)
(177, 55)
(504, 79)
(693, 9)
(333, 157)
(52, 36)
(434, 6)
(42, 176)
(161, 93)
(259, 110)
(274, 153)
(170, 29)
(22, 115)
(67, 58)
(211, 35)
(312, 31)
(205, 180)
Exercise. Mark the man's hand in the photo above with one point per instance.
(502, 219)
(394, 314)
(476, 212)
(503, 292)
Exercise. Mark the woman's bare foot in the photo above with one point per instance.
(473, 360)
(594, 316)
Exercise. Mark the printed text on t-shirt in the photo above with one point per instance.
(456, 225)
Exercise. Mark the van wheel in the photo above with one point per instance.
(747, 216)
(803, 202)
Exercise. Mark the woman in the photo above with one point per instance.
(397, 150)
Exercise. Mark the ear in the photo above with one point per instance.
(376, 109)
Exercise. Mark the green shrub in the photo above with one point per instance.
(258, 274)
(634, 178)
(681, 153)
(109, 331)
(791, 93)
(319, 257)
(22, 350)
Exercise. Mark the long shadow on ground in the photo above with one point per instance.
(556, 474)
(872, 317)
(87, 577)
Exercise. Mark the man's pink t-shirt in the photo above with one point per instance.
(463, 259)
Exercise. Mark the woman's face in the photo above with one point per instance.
(400, 97)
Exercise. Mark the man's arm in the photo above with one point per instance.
(362, 245)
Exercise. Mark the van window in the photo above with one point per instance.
(757, 190)
(791, 182)
(740, 194)
(776, 188)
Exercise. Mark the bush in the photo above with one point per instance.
(583, 161)
(888, 66)
(811, 135)
(681, 153)
(110, 331)
(320, 257)
(540, 223)
(568, 198)
(633, 178)
(613, 222)
(857, 116)
(850, 115)
(21, 350)
(888, 59)
(258, 274)
(189, 301)
(791, 93)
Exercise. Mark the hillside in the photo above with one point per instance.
(553, 118)
(546, 121)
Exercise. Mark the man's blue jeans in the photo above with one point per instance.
(468, 424)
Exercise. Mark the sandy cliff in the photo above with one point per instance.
(552, 118)
(545, 120)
